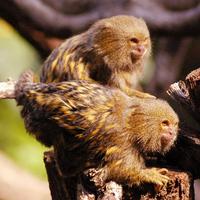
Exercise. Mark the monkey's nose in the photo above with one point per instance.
(139, 51)
(172, 130)
(167, 138)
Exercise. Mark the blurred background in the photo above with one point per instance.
(30, 30)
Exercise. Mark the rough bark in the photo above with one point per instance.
(186, 154)
(7, 90)
(187, 92)
(179, 187)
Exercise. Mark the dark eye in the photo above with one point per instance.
(165, 123)
(176, 124)
(134, 40)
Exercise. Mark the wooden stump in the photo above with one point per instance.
(180, 186)
(186, 154)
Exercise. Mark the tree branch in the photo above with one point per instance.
(164, 21)
(44, 23)
(54, 22)
(179, 186)
(186, 154)
(7, 90)
(169, 57)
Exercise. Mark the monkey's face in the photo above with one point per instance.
(155, 126)
(168, 133)
(121, 41)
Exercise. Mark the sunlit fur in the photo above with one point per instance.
(148, 120)
(104, 53)
(111, 40)
(91, 125)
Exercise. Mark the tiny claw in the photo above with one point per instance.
(159, 177)
(163, 171)
(162, 183)
(158, 187)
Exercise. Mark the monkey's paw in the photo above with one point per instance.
(157, 176)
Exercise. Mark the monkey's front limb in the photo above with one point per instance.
(137, 176)
(129, 175)
(154, 175)
(125, 83)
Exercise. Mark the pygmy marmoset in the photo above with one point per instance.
(111, 52)
(91, 125)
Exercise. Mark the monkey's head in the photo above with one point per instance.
(154, 126)
(122, 41)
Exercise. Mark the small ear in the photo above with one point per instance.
(107, 25)
(104, 25)
(141, 19)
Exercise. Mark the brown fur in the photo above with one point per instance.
(90, 125)
(112, 52)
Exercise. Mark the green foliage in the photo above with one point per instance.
(14, 140)
(16, 55)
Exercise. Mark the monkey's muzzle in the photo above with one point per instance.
(138, 52)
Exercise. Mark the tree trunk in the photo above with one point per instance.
(180, 186)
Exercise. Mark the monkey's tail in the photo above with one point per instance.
(24, 81)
